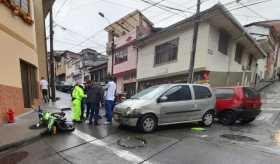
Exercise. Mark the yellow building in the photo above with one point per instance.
(23, 54)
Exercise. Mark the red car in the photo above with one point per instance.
(237, 103)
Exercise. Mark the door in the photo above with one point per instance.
(29, 83)
(177, 106)
(202, 96)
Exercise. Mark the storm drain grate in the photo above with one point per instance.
(239, 138)
(132, 142)
(14, 158)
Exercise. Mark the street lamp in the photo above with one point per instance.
(113, 41)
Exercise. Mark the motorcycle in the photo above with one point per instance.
(54, 122)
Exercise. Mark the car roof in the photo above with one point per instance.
(175, 84)
(229, 87)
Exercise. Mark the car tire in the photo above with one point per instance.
(247, 121)
(227, 118)
(208, 119)
(147, 123)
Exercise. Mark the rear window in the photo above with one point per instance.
(250, 93)
(224, 93)
(201, 92)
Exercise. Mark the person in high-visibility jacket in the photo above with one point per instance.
(77, 96)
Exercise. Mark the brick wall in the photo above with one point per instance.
(10, 98)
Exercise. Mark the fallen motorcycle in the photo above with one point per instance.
(54, 122)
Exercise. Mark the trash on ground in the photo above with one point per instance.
(198, 129)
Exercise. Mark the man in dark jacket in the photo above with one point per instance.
(94, 98)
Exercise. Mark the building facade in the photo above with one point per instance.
(23, 55)
(267, 35)
(125, 32)
(225, 54)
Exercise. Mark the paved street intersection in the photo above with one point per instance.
(256, 143)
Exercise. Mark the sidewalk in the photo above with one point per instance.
(19, 133)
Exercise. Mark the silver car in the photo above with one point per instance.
(167, 104)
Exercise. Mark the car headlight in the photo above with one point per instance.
(131, 111)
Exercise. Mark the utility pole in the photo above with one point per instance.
(195, 33)
(113, 51)
(52, 83)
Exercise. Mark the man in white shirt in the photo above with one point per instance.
(44, 86)
(110, 99)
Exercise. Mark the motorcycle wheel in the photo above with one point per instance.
(66, 127)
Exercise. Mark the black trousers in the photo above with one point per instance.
(45, 95)
(94, 111)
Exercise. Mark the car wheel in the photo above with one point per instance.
(208, 118)
(246, 121)
(147, 123)
(227, 118)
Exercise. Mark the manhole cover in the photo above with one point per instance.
(132, 142)
(14, 158)
(239, 138)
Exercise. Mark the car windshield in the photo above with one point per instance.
(150, 92)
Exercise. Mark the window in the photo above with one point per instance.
(121, 55)
(201, 92)
(166, 52)
(250, 93)
(238, 53)
(223, 42)
(224, 93)
(178, 93)
(22, 4)
(250, 62)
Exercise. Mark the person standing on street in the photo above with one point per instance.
(44, 86)
(110, 99)
(77, 96)
(94, 98)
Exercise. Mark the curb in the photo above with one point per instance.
(21, 142)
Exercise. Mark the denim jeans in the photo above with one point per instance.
(109, 107)
(94, 110)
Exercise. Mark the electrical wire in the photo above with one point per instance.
(253, 11)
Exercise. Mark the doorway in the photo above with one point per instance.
(29, 83)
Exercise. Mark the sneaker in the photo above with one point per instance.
(99, 117)
(90, 122)
(95, 123)
(107, 123)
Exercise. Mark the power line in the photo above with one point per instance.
(146, 8)
(253, 11)
(170, 16)
(60, 8)
(160, 7)
(228, 11)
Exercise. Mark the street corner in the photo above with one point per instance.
(123, 146)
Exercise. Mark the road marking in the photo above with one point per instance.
(265, 116)
(124, 154)
(271, 109)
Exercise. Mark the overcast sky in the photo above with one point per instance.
(78, 25)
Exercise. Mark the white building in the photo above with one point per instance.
(267, 35)
(225, 53)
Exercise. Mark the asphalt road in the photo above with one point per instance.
(256, 143)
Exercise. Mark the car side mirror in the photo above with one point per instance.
(162, 99)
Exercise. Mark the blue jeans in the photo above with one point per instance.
(109, 107)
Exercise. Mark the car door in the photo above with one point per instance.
(177, 105)
(202, 96)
